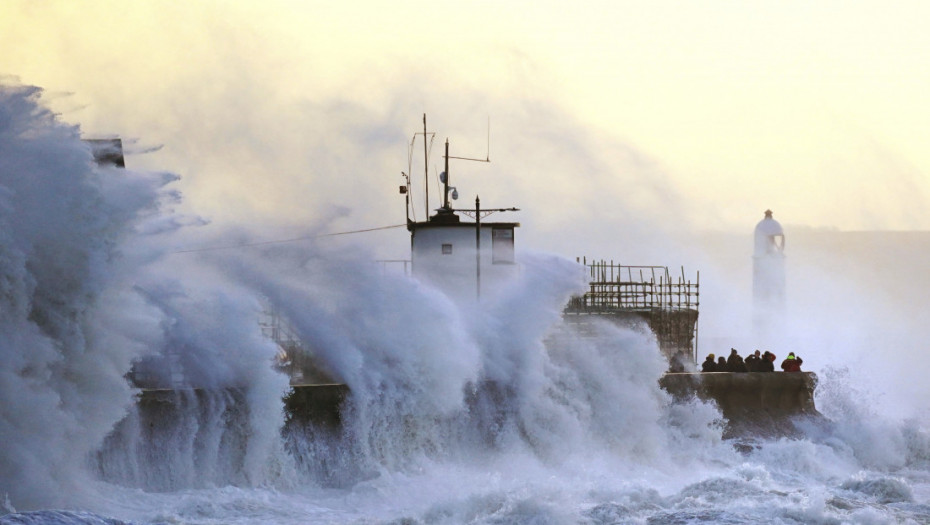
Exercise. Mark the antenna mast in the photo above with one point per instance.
(426, 166)
(445, 180)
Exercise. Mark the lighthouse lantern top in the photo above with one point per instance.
(769, 237)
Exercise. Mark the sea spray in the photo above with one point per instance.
(63, 220)
(214, 397)
(417, 361)
(860, 432)
(176, 439)
(514, 376)
(503, 413)
(90, 290)
(432, 377)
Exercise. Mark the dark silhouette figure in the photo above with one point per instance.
(767, 363)
(753, 361)
(678, 363)
(722, 364)
(709, 365)
(792, 363)
(735, 362)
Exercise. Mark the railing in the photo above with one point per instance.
(670, 305)
(618, 287)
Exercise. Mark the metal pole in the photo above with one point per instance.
(445, 187)
(407, 196)
(426, 165)
(477, 247)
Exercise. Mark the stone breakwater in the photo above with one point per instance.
(753, 404)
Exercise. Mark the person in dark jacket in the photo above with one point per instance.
(753, 361)
(767, 363)
(735, 362)
(722, 364)
(709, 365)
(792, 363)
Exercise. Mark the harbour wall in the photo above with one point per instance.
(191, 438)
(755, 403)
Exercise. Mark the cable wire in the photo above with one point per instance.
(282, 241)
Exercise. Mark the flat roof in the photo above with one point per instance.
(439, 224)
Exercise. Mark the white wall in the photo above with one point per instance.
(455, 272)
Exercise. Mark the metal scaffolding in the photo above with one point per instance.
(669, 305)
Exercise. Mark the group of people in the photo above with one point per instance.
(757, 362)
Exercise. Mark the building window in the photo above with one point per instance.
(502, 245)
(447, 249)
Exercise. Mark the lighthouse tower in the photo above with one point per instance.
(768, 280)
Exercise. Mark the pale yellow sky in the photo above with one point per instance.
(611, 116)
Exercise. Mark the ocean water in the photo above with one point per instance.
(459, 415)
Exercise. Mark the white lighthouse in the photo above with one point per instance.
(768, 280)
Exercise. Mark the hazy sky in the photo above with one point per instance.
(644, 132)
(605, 117)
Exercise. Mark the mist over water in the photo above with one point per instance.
(501, 413)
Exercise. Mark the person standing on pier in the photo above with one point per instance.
(735, 362)
(767, 364)
(753, 361)
(709, 365)
(792, 363)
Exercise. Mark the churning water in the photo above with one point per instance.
(458, 415)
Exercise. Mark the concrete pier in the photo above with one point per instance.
(317, 404)
(754, 403)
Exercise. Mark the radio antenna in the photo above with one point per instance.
(426, 166)
(487, 156)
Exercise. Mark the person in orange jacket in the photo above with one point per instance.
(792, 363)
